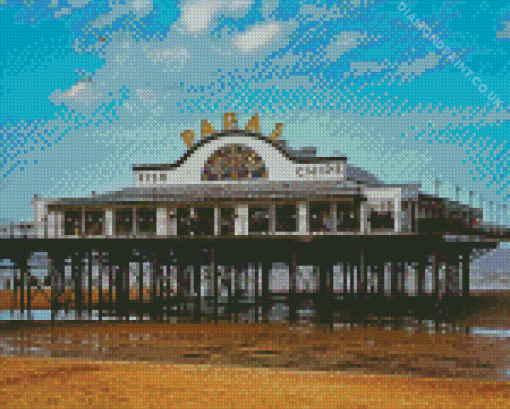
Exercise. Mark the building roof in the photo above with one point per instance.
(298, 156)
(208, 191)
(358, 175)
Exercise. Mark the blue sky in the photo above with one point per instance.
(89, 87)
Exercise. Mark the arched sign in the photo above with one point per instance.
(234, 162)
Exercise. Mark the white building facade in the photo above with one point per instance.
(240, 183)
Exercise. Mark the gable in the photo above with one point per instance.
(270, 162)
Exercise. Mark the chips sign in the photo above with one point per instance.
(302, 171)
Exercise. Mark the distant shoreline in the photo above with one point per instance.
(41, 299)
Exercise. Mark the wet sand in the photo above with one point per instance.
(63, 383)
(275, 346)
(244, 365)
(263, 365)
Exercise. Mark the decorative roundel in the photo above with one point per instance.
(234, 162)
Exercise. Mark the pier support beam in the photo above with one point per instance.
(436, 265)
(122, 284)
(197, 292)
(266, 264)
(236, 287)
(156, 274)
(401, 271)
(215, 277)
(451, 274)
(257, 298)
(77, 278)
(22, 266)
(325, 295)
(351, 273)
(57, 265)
(89, 260)
(293, 304)
(422, 264)
(465, 274)
(380, 279)
(345, 274)
(394, 278)
(362, 274)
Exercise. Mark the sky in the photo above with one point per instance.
(90, 87)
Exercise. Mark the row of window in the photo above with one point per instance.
(94, 222)
(200, 221)
(152, 177)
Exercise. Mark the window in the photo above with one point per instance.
(124, 222)
(286, 218)
(162, 177)
(183, 221)
(146, 221)
(140, 178)
(320, 217)
(94, 223)
(204, 221)
(72, 223)
(200, 222)
(258, 219)
(227, 221)
(381, 220)
(347, 217)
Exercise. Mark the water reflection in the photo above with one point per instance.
(278, 315)
(406, 345)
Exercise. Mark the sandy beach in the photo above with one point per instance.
(62, 383)
(244, 365)
(226, 365)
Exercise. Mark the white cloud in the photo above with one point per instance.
(310, 12)
(412, 69)
(171, 56)
(148, 95)
(140, 7)
(268, 6)
(78, 3)
(257, 37)
(342, 43)
(196, 16)
(80, 92)
(62, 12)
(505, 33)
(368, 67)
(238, 4)
(400, 73)
(140, 4)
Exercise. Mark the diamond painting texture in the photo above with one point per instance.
(254, 203)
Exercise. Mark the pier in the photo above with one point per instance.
(244, 228)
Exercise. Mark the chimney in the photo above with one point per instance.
(93, 193)
(308, 151)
